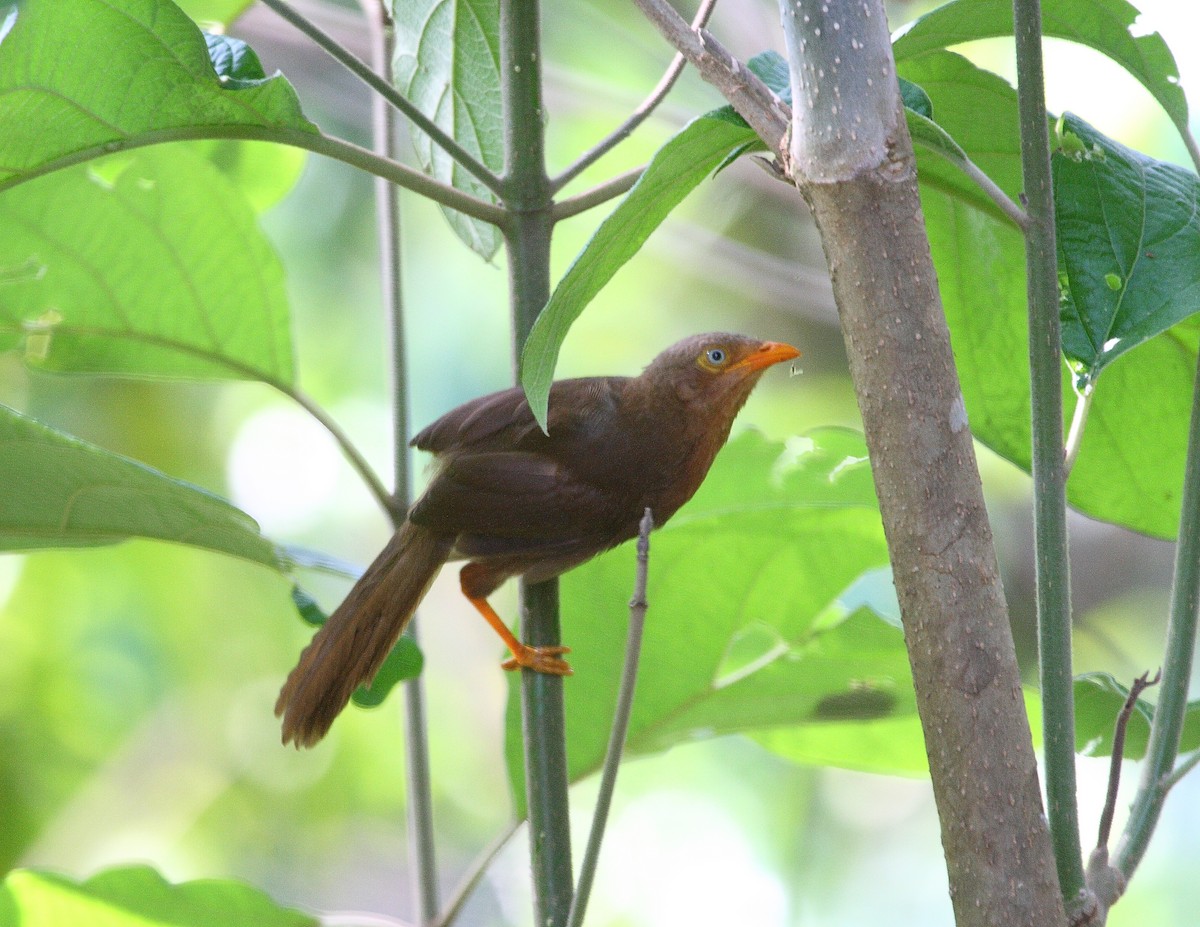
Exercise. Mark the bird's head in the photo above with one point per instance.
(718, 369)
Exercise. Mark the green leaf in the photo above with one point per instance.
(1098, 701)
(674, 171)
(1129, 246)
(447, 62)
(404, 661)
(136, 896)
(149, 262)
(915, 99)
(58, 491)
(1108, 26)
(83, 78)
(1130, 466)
(757, 617)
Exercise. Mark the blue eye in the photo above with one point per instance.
(715, 356)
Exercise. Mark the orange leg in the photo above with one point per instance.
(539, 659)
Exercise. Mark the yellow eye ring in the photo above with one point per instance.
(714, 358)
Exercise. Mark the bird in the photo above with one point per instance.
(512, 499)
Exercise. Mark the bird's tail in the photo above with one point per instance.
(352, 644)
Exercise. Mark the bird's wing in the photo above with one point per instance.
(503, 421)
(513, 495)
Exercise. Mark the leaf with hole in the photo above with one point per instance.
(1129, 246)
(1130, 467)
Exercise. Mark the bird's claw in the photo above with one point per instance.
(540, 660)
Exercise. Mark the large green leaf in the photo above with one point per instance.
(80, 78)
(447, 62)
(1129, 243)
(58, 491)
(760, 616)
(136, 896)
(1108, 26)
(150, 262)
(1130, 467)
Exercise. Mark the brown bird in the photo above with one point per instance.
(512, 500)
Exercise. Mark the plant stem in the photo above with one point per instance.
(527, 237)
(416, 729)
(1049, 474)
(314, 141)
(616, 738)
(589, 199)
(1177, 665)
(384, 88)
(639, 115)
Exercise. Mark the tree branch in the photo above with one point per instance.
(639, 115)
(606, 191)
(755, 102)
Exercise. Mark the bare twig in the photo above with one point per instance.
(639, 115)
(620, 727)
(1140, 685)
(755, 102)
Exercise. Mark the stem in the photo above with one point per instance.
(995, 194)
(754, 101)
(314, 141)
(616, 738)
(1177, 666)
(527, 237)
(384, 88)
(1140, 684)
(1049, 476)
(639, 115)
(416, 729)
(606, 191)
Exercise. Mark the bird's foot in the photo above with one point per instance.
(540, 660)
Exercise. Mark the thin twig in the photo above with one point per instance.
(1141, 684)
(363, 72)
(349, 449)
(1183, 769)
(1005, 203)
(754, 101)
(639, 115)
(475, 874)
(419, 780)
(589, 199)
(620, 726)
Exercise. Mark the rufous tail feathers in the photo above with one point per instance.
(349, 648)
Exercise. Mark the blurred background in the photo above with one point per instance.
(137, 721)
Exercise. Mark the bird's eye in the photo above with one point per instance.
(716, 356)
